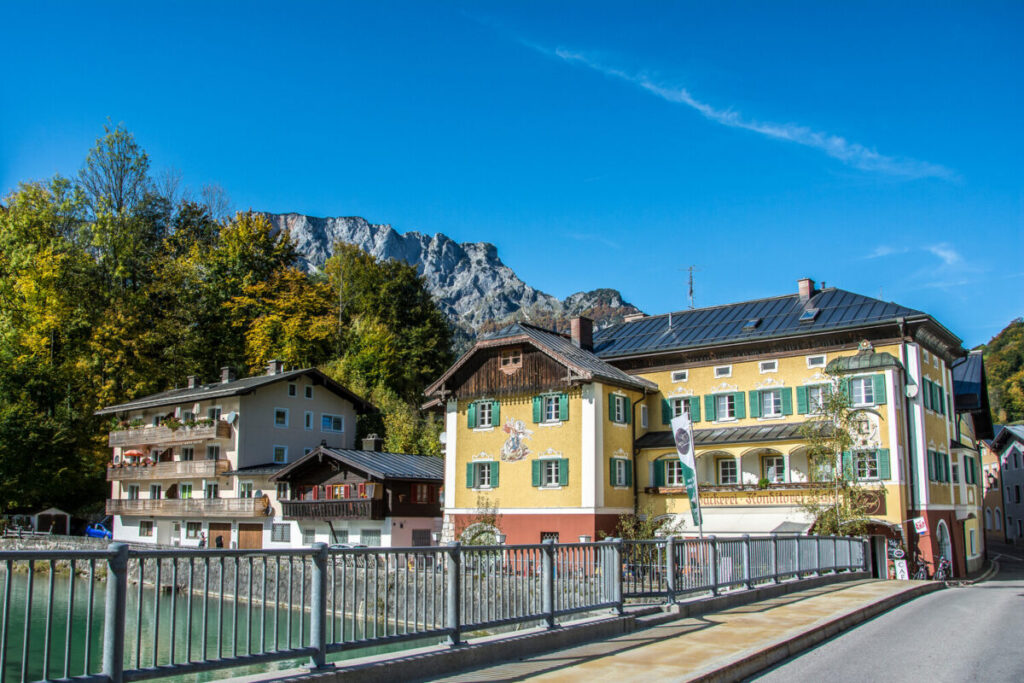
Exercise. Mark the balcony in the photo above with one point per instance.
(182, 469)
(190, 507)
(152, 435)
(342, 508)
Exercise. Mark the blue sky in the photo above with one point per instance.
(877, 148)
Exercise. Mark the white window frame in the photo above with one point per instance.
(132, 491)
(771, 398)
(680, 376)
(680, 406)
(620, 408)
(768, 366)
(213, 448)
(484, 408)
(332, 417)
(552, 413)
(308, 420)
(862, 462)
(511, 358)
(193, 529)
(184, 488)
(157, 489)
(363, 533)
(149, 526)
(246, 489)
(282, 490)
(776, 473)
(620, 471)
(207, 487)
(643, 416)
(719, 413)
(280, 533)
(552, 466)
(674, 473)
(479, 470)
(816, 361)
(867, 387)
(734, 475)
(723, 371)
(815, 407)
(277, 412)
(187, 450)
(284, 450)
(214, 413)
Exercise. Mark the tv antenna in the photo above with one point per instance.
(690, 270)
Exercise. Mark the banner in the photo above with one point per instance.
(682, 433)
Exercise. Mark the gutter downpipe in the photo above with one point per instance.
(636, 452)
(907, 418)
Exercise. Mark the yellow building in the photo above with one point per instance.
(749, 375)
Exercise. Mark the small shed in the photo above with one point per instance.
(52, 521)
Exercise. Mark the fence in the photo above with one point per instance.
(126, 615)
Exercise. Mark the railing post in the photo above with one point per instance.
(835, 554)
(798, 544)
(114, 611)
(775, 557)
(670, 569)
(318, 607)
(817, 555)
(616, 573)
(454, 596)
(714, 564)
(746, 562)
(866, 554)
(547, 578)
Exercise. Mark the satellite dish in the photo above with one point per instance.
(231, 417)
(912, 390)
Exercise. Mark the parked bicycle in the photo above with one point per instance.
(943, 572)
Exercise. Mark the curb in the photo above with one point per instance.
(993, 570)
(759, 661)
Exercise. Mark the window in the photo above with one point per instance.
(816, 396)
(308, 420)
(133, 492)
(768, 366)
(341, 536)
(1016, 493)
(924, 356)
(154, 491)
(643, 416)
(332, 423)
(816, 361)
(369, 537)
(774, 468)
(551, 412)
(955, 471)
(308, 391)
(187, 416)
(973, 550)
(680, 375)
(751, 324)
(188, 453)
(193, 529)
(145, 528)
(680, 406)
(867, 465)
(282, 490)
(809, 315)
(511, 359)
(727, 472)
(482, 475)
(619, 409)
(725, 407)
(483, 414)
(212, 491)
(619, 469)
(421, 538)
(292, 391)
(999, 519)
(245, 489)
(213, 413)
(771, 403)
(420, 493)
(1016, 460)
(280, 454)
(280, 417)
(184, 491)
(551, 408)
(281, 533)
(546, 536)
(673, 473)
(308, 536)
(723, 371)
(551, 471)
(863, 391)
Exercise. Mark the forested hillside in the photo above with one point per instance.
(1004, 364)
(113, 286)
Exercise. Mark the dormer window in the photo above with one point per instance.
(511, 360)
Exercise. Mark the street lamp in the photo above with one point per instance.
(500, 538)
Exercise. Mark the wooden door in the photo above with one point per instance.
(220, 530)
(250, 536)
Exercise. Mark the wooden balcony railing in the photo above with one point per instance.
(184, 507)
(346, 508)
(180, 469)
(149, 435)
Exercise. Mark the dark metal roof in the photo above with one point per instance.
(247, 385)
(251, 470)
(1008, 432)
(970, 392)
(381, 465)
(789, 431)
(778, 317)
(869, 360)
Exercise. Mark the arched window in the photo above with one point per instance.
(942, 539)
(999, 519)
(988, 519)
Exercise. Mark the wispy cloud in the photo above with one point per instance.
(588, 237)
(883, 250)
(850, 153)
(944, 251)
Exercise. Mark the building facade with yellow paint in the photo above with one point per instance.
(554, 436)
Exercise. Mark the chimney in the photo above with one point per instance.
(192, 383)
(275, 367)
(227, 374)
(373, 443)
(581, 331)
(806, 289)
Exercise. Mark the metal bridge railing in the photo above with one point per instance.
(124, 615)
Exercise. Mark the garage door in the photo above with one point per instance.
(250, 536)
(223, 532)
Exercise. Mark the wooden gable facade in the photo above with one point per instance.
(493, 371)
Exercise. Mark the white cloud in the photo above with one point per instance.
(850, 153)
(948, 254)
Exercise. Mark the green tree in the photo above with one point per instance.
(1004, 365)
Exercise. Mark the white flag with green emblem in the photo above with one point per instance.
(682, 434)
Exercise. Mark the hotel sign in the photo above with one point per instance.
(751, 498)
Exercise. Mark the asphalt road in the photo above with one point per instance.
(958, 634)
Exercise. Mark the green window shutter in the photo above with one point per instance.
(883, 463)
(495, 413)
(878, 389)
(659, 473)
(629, 473)
(739, 400)
(470, 475)
(611, 407)
(946, 463)
(926, 391)
(709, 407)
(538, 414)
(694, 408)
(755, 403)
(563, 407)
(931, 467)
(494, 474)
(848, 472)
(942, 401)
(801, 401)
(666, 412)
(628, 409)
(563, 472)
(611, 473)
(471, 416)
(535, 472)
(787, 401)
(844, 386)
